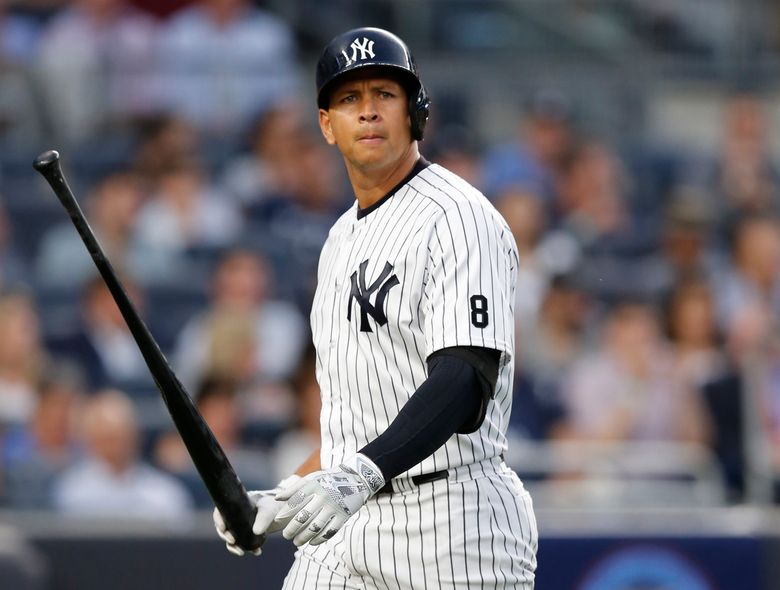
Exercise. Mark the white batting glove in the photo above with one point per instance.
(267, 509)
(319, 504)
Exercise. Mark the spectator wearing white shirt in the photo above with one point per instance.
(186, 212)
(222, 60)
(96, 61)
(112, 481)
(112, 209)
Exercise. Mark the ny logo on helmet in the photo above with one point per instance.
(366, 48)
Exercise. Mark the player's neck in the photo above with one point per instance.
(370, 185)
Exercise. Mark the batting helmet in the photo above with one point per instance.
(365, 47)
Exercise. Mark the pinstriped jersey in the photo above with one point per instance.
(432, 266)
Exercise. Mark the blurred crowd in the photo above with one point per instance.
(648, 290)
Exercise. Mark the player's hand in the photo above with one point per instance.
(318, 505)
(267, 508)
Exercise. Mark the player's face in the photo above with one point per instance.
(368, 120)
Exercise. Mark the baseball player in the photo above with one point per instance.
(412, 322)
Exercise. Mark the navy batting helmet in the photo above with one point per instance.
(364, 47)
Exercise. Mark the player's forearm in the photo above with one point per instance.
(311, 464)
(447, 401)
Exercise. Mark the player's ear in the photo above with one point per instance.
(327, 132)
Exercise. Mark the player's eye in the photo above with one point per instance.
(386, 94)
(348, 98)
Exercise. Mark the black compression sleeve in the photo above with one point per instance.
(447, 401)
(485, 361)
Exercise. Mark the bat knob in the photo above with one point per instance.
(46, 159)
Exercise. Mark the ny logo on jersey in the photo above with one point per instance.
(366, 48)
(362, 295)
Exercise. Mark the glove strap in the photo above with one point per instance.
(366, 470)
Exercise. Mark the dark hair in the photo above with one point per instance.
(736, 227)
(60, 372)
(214, 387)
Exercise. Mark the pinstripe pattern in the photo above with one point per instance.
(485, 519)
(446, 245)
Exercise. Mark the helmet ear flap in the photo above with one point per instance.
(419, 111)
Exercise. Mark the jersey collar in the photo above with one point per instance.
(420, 165)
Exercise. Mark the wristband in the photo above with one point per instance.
(366, 470)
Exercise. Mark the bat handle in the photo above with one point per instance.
(240, 515)
(46, 160)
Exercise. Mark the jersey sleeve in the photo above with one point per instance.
(470, 281)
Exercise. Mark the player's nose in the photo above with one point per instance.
(368, 110)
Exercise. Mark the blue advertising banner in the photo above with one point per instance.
(674, 563)
(574, 562)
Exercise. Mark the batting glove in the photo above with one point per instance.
(318, 505)
(267, 509)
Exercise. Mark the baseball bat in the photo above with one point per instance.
(218, 475)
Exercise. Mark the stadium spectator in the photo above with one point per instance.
(185, 212)
(743, 178)
(112, 209)
(693, 332)
(112, 481)
(164, 140)
(752, 277)
(546, 352)
(101, 343)
(97, 65)
(590, 193)
(244, 333)
(591, 205)
(232, 352)
(293, 222)
(543, 253)
(626, 390)
(530, 161)
(743, 398)
(687, 247)
(35, 454)
(558, 337)
(271, 165)
(742, 403)
(223, 60)
(217, 400)
(22, 357)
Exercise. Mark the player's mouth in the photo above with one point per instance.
(370, 139)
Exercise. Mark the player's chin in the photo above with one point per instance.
(370, 151)
(371, 156)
